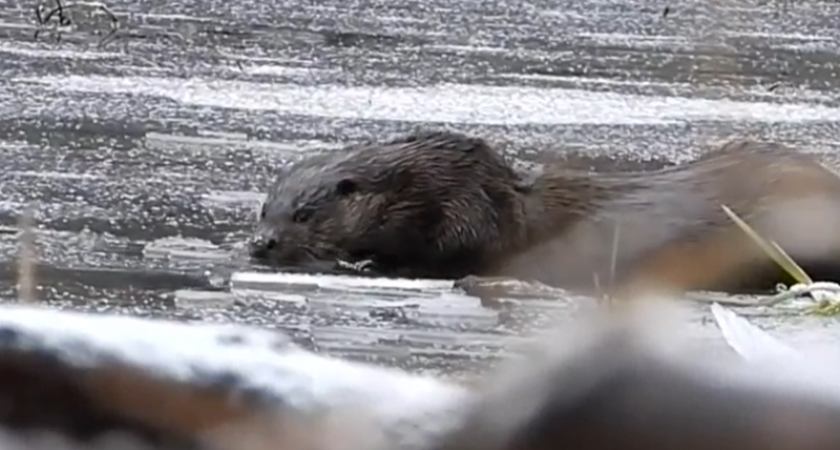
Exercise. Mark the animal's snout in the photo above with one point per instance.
(261, 244)
(270, 243)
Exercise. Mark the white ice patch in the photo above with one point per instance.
(749, 341)
(813, 369)
(451, 103)
(273, 281)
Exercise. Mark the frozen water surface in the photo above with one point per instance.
(146, 158)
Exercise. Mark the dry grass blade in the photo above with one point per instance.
(772, 250)
(614, 256)
(604, 295)
(26, 257)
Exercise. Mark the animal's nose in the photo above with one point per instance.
(261, 244)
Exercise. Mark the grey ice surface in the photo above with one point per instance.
(146, 159)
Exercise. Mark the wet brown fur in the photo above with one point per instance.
(413, 205)
(672, 230)
(445, 205)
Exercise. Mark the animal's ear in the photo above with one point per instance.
(346, 187)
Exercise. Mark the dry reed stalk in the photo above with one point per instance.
(26, 256)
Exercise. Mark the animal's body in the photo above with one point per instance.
(445, 205)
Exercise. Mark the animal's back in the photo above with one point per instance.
(668, 227)
(461, 198)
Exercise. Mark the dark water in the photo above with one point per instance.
(146, 159)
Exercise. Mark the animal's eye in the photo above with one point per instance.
(301, 215)
(346, 187)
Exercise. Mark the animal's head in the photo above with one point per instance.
(312, 209)
(403, 202)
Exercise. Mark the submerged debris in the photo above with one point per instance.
(60, 19)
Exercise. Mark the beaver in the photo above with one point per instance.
(431, 204)
(442, 204)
